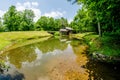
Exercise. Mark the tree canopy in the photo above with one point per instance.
(105, 13)
(100, 16)
(14, 20)
(18, 20)
(50, 24)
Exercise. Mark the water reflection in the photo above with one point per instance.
(102, 71)
(29, 53)
(51, 45)
(57, 59)
(20, 55)
(14, 76)
(95, 70)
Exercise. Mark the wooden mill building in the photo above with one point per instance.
(66, 31)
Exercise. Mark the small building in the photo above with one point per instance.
(66, 31)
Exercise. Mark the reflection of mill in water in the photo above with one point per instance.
(66, 39)
(56, 59)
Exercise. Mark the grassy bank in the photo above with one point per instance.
(105, 45)
(7, 38)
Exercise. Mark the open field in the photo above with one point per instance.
(7, 38)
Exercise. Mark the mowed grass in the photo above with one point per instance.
(7, 38)
(81, 35)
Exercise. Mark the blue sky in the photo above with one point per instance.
(50, 8)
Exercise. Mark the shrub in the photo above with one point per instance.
(56, 34)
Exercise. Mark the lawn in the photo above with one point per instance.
(81, 35)
(106, 45)
(7, 38)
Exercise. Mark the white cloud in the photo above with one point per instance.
(27, 5)
(30, 5)
(2, 13)
(37, 13)
(55, 14)
(35, 4)
(70, 20)
(19, 7)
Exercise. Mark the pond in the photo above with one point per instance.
(56, 59)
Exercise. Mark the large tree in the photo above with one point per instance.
(84, 21)
(50, 24)
(1, 25)
(60, 23)
(42, 23)
(27, 20)
(107, 13)
(9, 19)
(18, 20)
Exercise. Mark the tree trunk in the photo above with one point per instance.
(99, 28)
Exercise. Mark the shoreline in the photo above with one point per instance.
(21, 38)
(96, 46)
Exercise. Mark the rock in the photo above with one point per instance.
(103, 58)
(100, 57)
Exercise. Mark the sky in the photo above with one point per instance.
(49, 8)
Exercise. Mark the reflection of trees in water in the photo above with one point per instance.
(51, 45)
(79, 47)
(75, 42)
(22, 54)
(96, 70)
(102, 71)
(80, 50)
(27, 53)
(15, 76)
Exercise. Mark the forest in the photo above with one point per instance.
(14, 20)
(97, 16)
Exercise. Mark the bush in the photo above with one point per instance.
(56, 34)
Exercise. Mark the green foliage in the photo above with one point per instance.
(18, 21)
(27, 20)
(9, 19)
(1, 25)
(42, 23)
(107, 45)
(106, 12)
(84, 21)
(110, 44)
(14, 20)
(50, 24)
(57, 34)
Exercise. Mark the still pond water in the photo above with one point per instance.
(56, 59)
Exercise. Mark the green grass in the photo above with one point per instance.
(27, 42)
(7, 38)
(107, 45)
(110, 45)
(81, 35)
